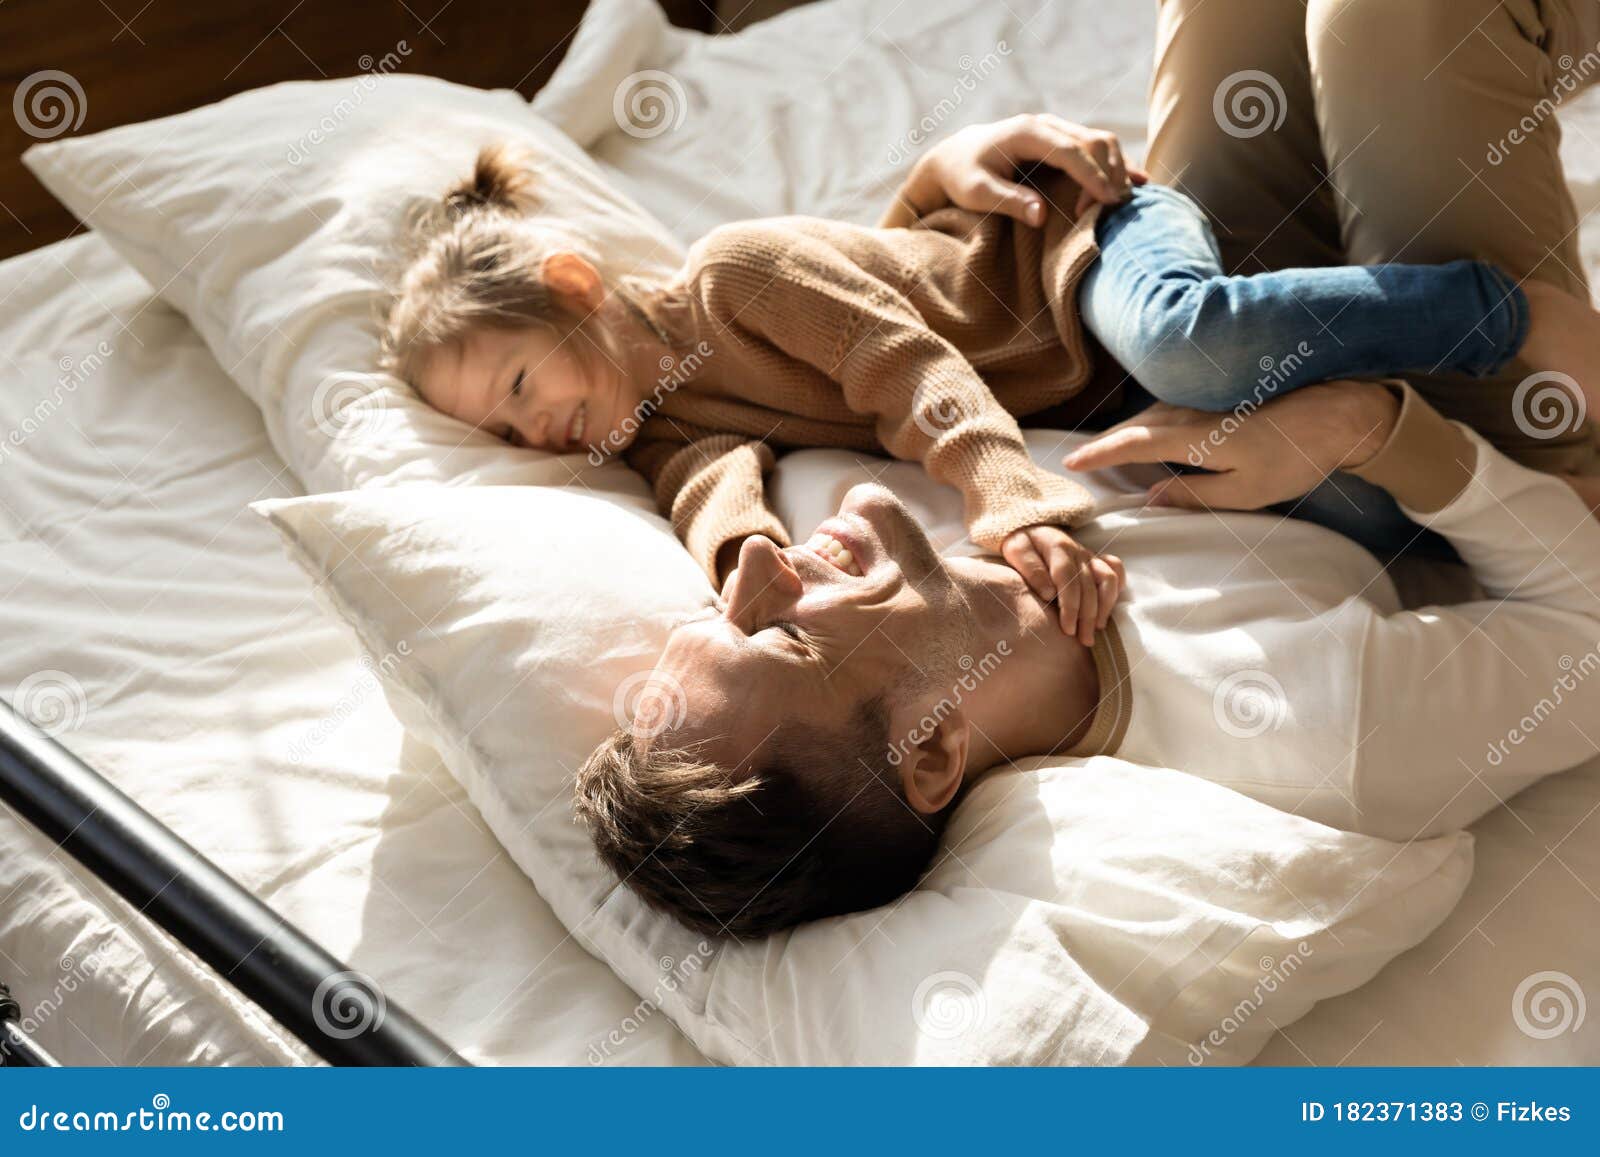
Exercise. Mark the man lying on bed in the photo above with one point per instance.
(833, 720)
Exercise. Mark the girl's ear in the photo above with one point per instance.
(933, 765)
(573, 279)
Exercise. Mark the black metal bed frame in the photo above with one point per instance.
(273, 963)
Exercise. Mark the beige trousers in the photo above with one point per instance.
(1369, 131)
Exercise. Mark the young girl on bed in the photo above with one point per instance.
(927, 342)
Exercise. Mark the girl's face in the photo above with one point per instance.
(533, 389)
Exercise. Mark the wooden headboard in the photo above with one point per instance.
(134, 60)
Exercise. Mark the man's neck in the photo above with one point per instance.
(1038, 695)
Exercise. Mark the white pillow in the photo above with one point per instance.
(1098, 912)
(274, 219)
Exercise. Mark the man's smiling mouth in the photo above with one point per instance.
(831, 550)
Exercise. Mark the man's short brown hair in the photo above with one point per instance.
(820, 826)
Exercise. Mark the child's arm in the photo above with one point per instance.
(976, 168)
(714, 492)
(775, 284)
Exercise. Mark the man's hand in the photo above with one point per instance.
(1279, 452)
(974, 169)
(1056, 566)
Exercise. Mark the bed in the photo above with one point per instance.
(157, 627)
(220, 722)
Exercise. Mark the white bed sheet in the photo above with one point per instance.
(220, 695)
(812, 112)
(196, 670)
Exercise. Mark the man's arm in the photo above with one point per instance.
(1465, 705)
(1460, 706)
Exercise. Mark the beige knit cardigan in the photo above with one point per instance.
(926, 342)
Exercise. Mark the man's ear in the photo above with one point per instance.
(933, 763)
(571, 278)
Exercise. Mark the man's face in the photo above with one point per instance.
(799, 636)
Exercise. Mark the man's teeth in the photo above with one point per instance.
(834, 551)
(579, 421)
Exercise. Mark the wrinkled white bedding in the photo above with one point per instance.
(191, 664)
(198, 671)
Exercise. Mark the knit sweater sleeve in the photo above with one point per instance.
(713, 490)
(769, 283)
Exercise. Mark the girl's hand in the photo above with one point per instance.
(1056, 566)
(974, 169)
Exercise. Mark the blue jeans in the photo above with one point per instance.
(1192, 335)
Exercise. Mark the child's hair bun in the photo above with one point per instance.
(502, 178)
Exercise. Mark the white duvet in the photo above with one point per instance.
(200, 675)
